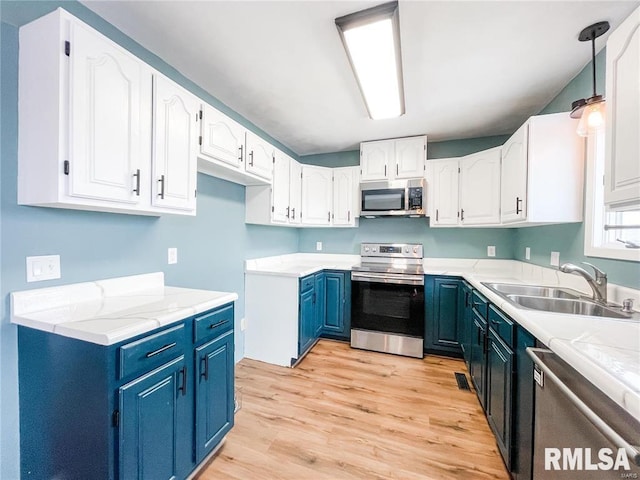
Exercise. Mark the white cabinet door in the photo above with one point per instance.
(295, 192)
(622, 165)
(343, 193)
(280, 188)
(175, 137)
(259, 156)
(375, 160)
(222, 138)
(410, 155)
(316, 195)
(480, 188)
(109, 98)
(513, 190)
(445, 192)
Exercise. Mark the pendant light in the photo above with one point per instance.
(590, 110)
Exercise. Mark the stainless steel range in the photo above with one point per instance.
(387, 299)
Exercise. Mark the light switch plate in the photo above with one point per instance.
(172, 255)
(45, 267)
(319, 246)
(555, 259)
(491, 251)
(527, 253)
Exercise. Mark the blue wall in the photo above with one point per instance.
(91, 245)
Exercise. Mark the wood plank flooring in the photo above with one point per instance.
(350, 414)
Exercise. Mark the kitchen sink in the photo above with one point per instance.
(532, 290)
(565, 305)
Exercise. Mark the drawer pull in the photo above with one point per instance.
(215, 325)
(205, 374)
(495, 322)
(183, 388)
(160, 350)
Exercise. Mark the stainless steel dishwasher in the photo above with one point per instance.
(579, 432)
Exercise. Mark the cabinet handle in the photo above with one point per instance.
(293, 213)
(215, 325)
(206, 368)
(348, 215)
(328, 216)
(436, 214)
(161, 194)
(240, 148)
(183, 387)
(466, 299)
(397, 170)
(518, 207)
(494, 322)
(462, 214)
(137, 189)
(287, 212)
(385, 170)
(160, 350)
(251, 158)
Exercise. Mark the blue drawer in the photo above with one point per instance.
(213, 323)
(306, 283)
(480, 304)
(502, 325)
(150, 352)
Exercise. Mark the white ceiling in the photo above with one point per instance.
(471, 69)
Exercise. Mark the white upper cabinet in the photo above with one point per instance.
(444, 191)
(100, 142)
(280, 188)
(175, 145)
(259, 156)
(622, 165)
(410, 155)
(542, 172)
(295, 192)
(222, 137)
(514, 176)
(399, 158)
(108, 97)
(316, 195)
(479, 184)
(343, 193)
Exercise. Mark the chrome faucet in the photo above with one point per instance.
(597, 284)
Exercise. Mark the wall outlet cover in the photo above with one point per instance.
(527, 253)
(44, 267)
(555, 259)
(172, 255)
(243, 324)
(319, 246)
(491, 251)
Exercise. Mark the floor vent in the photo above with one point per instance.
(461, 378)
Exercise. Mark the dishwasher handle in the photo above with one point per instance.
(632, 451)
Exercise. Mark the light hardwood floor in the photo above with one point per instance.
(350, 414)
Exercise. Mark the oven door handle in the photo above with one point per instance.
(398, 279)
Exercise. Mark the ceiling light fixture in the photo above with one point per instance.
(371, 38)
(590, 110)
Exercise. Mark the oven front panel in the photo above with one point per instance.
(388, 308)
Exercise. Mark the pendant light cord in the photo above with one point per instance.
(593, 61)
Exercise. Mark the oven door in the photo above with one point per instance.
(380, 306)
(384, 201)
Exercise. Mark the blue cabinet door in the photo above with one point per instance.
(214, 393)
(499, 393)
(466, 324)
(320, 299)
(442, 312)
(334, 318)
(478, 364)
(306, 321)
(154, 423)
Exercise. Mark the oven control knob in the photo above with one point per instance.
(406, 249)
(366, 249)
(415, 249)
(373, 249)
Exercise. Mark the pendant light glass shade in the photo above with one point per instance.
(592, 119)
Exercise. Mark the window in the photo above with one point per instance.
(605, 232)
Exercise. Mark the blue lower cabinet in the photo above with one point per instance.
(214, 393)
(478, 357)
(465, 323)
(443, 312)
(306, 320)
(337, 320)
(137, 409)
(154, 423)
(321, 303)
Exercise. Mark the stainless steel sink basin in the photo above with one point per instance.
(565, 305)
(532, 290)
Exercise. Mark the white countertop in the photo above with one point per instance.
(606, 351)
(109, 311)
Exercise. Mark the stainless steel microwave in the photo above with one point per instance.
(402, 198)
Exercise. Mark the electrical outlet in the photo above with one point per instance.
(491, 251)
(172, 255)
(555, 259)
(45, 267)
(319, 246)
(243, 324)
(527, 253)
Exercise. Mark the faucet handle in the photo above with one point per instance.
(599, 273)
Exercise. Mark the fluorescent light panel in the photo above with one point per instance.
(372, 41)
